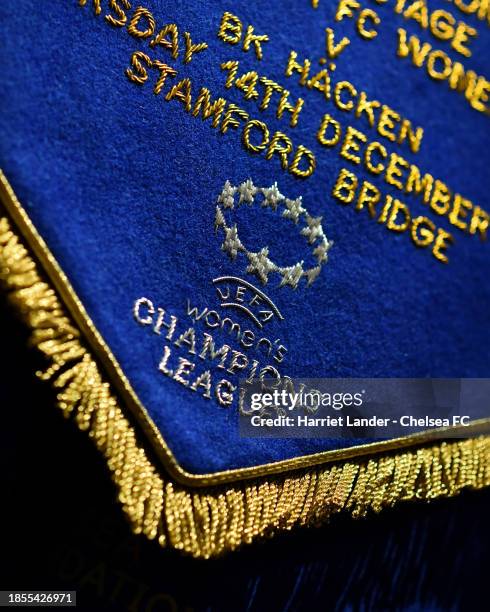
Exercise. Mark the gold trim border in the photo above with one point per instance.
(122, 385)
(207, 522)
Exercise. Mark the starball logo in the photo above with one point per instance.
(260, 263)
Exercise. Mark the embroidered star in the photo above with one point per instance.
(247, 190)
(227, 195)
(321, 252)
(294, 209)
(219, 220)
(260, 264)
(232, 243)
(312, 275)
(314, 229)
(292, 275)
(272, 196)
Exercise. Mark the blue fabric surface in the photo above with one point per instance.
(122, 185)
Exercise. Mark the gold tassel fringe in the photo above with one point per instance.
(207, 522)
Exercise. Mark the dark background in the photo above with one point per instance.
(62, 529)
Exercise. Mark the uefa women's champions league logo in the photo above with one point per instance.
(259, 263)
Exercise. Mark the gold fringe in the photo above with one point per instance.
(208, 522)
